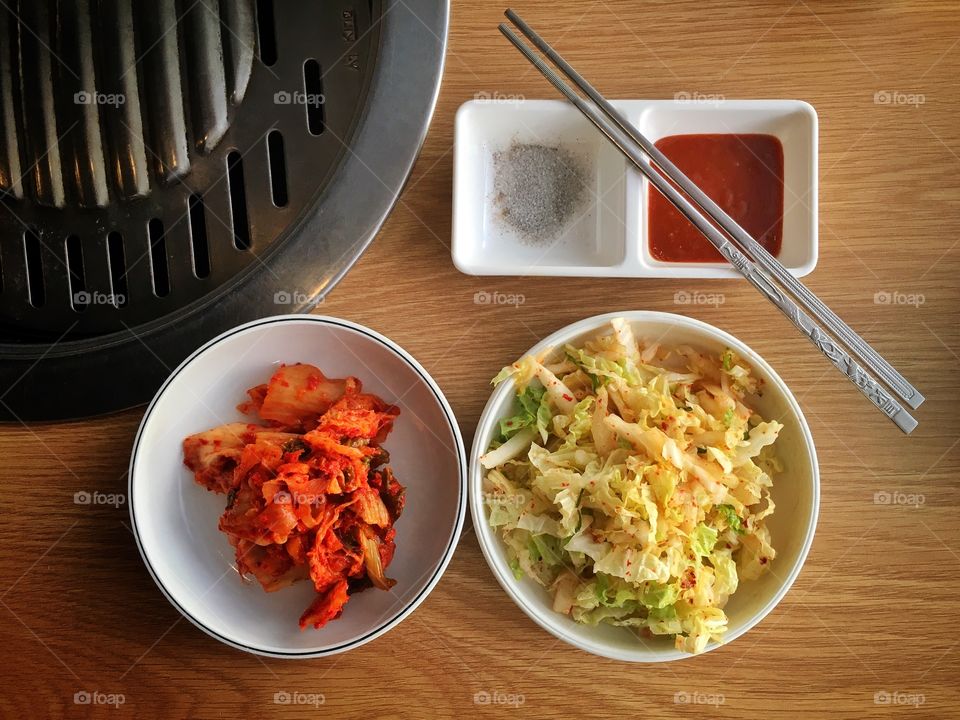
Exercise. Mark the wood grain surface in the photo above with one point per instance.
(870, 627)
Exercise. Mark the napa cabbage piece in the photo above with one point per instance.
(633, 482)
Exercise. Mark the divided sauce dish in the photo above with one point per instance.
(609, 235)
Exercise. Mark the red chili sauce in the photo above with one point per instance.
(743, 174)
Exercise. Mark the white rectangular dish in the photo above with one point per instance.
(609, 238)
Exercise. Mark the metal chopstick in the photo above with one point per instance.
(866, 354)
(833, 351)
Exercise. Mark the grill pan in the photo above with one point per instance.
(171, 169)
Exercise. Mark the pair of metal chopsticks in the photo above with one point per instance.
(750, 258)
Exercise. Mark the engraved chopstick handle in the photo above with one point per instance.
(870, 388)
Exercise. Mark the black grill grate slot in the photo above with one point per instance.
(158, 258)
(238, 202)
(76, 278)
(266, 32)
(278, 168)
(313, 99)
(118, 270)
(198, 236)
(34, 261)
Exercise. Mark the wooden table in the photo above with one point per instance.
(875, 608)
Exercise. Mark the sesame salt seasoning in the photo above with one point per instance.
(538, 190)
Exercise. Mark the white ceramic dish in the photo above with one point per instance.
(796, 492)
(609, 238)
(175, 520)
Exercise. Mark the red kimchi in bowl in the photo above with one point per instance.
(309, 494)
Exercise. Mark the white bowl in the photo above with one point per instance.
(175, 520)
(609, 237)
(796, 492)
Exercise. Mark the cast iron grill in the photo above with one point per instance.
(134, 201)
(168, 169)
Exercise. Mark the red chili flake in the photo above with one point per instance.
(663, 425)
(567, 397)
(689, 579)
(313, 382)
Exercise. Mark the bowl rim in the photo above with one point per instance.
(394, 618)
(541, 615)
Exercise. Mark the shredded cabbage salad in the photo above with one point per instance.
(633, 482)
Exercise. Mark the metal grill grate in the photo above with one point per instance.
(158, 158)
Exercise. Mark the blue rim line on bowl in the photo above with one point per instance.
(462, 489)
(478, 511)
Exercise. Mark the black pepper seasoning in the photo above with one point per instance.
(538, 189)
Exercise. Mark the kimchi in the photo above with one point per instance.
(309, 494)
